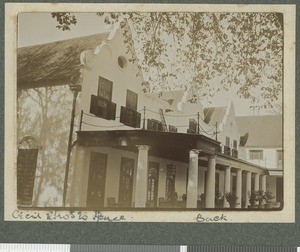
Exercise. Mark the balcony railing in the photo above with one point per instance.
(235, 153)
(130, 117)
(102, 108)
(172, 128)
(155, 125)
(227, 150)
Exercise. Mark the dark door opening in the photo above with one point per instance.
(97, 177)
(126, 182)
(152, 191)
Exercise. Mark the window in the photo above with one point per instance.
(256, 154)
(227, 143)
(101, 105)
(126, 182)
(105, 88)
(170, 182)
(26, 167)
(122, 62)
(131, 100)
(235, 144)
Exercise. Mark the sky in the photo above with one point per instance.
(39, 28)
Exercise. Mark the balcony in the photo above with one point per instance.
(102, 108)
(227, 151)
(130, 117)
(234, 153)
(155, 125)
(172, 128)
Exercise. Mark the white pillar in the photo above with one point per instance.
(264, 183)
(256, 182)
(192, 186)
(239, 188)
(77, 195)
(227, 187)
(210, 183)
(248, 187)
(140, 197)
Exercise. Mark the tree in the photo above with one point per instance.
(40, 116)
(204, 52)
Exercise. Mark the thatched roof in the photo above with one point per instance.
(55, 63)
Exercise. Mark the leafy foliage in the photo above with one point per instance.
(204, 52)
(65, 20)
(232, 199)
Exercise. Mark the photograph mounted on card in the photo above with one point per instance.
(156, 113)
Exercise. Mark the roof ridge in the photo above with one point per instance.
(65, 40)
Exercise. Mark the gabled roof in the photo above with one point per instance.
(265, 131)
(170, 96)
(214, 115)
(55, 63)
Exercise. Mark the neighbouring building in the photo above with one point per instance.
(143, 150)
(264, 147)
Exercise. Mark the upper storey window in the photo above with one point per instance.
(101, 105)
(131, 100)
(256, 154)
(105, 88)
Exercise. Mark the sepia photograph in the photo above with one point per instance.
(127, 113)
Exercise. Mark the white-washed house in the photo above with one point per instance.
(136, 149)
(264, 147)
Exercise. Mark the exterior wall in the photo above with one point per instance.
(229, 128)
(38, 117)
(105, 64)
(79, 181)
(269, 157)
(79, 178)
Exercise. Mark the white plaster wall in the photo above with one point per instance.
(79, 180)
(229, 128)
(201, 180)
(106, 65)
(222, 182)
(269, 158)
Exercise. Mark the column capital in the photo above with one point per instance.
(143, 147)
(228, 167)
(194, 151)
